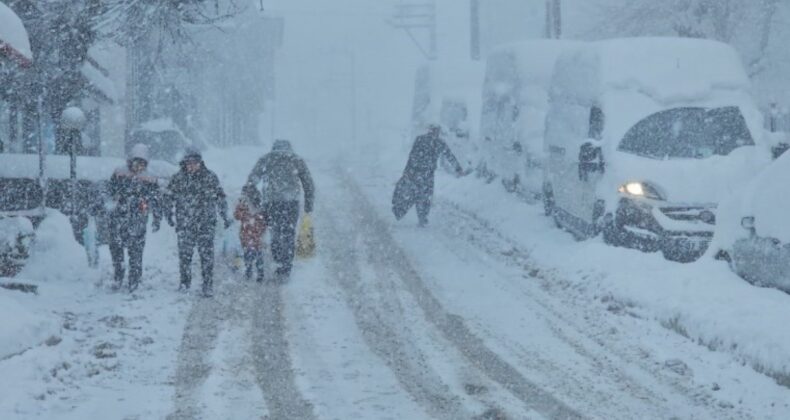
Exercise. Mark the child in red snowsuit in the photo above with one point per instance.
(253, 225)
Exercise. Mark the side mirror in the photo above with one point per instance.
(590, 159)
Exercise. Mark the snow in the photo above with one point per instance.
(11, 228)
(519, 74)
(631, 79)
(760, 198)
(159, 125)
(97, 79)
(58, 167)
(489, 310)
(13, 33)
(346, 327)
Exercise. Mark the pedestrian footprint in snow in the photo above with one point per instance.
(282, 172)
(415, 187)
(134, 194)
(253, 224)
(198, 200)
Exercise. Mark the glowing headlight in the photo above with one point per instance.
(634, 188)
(641, 189)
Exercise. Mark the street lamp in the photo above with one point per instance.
(72, 120)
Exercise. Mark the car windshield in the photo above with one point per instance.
(688, 133)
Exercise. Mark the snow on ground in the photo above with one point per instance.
(703, 300)
(489, 310)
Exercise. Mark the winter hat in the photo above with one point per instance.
(281, 145)
(192, 154)
(139, 151)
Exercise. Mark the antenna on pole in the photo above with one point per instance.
(412, 17)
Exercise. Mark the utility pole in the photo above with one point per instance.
(553, 19)
(418, 16)
(474, 29)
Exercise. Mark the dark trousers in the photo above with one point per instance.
(203, 239)
(123, 237)
(423, 198)
(281, 217)
(253, 260)
(413, 189)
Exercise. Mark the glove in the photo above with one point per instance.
(228, 223)
(155, 225)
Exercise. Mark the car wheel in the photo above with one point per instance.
(612, 234)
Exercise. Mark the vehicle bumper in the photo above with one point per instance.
(656, 231)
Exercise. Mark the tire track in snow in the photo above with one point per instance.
(273, 367)
(462, 226)
(375, 233)
(384, 337)
(199, 340)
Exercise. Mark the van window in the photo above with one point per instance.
(695, 133)
(596, 123)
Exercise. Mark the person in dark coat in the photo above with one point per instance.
(198, 199)
(283, 173)
(416, 185)
(134, 195)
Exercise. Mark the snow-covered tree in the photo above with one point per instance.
(746, 24)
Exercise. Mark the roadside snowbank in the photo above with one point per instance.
(22, 327)
(703, 301)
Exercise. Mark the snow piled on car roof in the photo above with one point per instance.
(666, 69)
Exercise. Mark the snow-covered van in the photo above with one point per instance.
(448, 92)
(752, 230)
(515, 101)
(643, 138)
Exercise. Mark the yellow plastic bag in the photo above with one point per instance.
(305, 240)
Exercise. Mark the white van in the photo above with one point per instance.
(643, 137)
(448, 92)
(515, 101)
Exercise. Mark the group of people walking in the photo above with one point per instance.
(193, 202)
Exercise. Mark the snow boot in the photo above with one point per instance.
(208, 290)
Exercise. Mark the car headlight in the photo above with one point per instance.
(641, 189)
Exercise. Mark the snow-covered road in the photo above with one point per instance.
(388, 321)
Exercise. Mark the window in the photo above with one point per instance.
(688, 133)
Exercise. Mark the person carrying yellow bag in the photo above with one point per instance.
(305, 241)
(283, 175)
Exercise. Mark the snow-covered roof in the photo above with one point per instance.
(91, 168)
(159, 125)
(102, 84)
(14, 41)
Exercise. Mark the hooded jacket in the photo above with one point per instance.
(282, 172)
(424, 157)
(197, 197)
(134, 195)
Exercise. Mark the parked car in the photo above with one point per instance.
(448, 92)
(515, 101)
(164, 139)
(753, 233)
(644, 136)
(22, 196)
